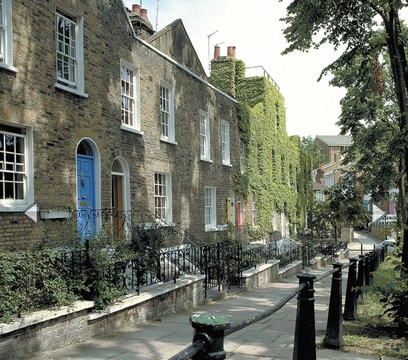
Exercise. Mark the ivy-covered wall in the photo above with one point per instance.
(277, 171)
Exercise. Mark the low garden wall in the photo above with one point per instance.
(48, 330)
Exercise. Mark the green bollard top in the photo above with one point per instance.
(217, 322)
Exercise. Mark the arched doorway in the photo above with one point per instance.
(86, 188)
(120, 192)
(231, 207)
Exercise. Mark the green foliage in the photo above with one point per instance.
(392, 289)
(223, 74)
(278, 172)
(313, 149)
(61, 234)
(377, 94)
(346, 205)
(30, 281)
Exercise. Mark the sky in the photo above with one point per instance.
(253, 27)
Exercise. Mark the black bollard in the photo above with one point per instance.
(210, 328)
(367, 269)
(334, 330)
(350, 306)
(360, 277)
(305, 334)
(372, 266)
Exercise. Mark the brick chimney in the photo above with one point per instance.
(136, 8)
(231, 51)
(140, 22)
(320, 175)
(216, 52)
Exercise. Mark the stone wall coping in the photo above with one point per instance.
(260, 268)
(44, 315)
(148, 293)
(289, 267)
(315, 259)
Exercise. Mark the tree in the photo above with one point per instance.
(343, 206)
(353, 24)
(313, 149)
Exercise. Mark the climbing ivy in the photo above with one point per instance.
(277, 171)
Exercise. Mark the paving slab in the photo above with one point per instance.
(269, 339)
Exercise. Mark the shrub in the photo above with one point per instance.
(392, 288)
(30, 281)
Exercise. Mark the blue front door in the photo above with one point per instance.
(86, 195)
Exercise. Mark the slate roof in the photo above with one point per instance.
(335, 140)
(317, 186)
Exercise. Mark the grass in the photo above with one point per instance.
(373, 332)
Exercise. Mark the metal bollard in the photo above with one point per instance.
(360, 277)
(210, 328)
(305, 334)
(367, 269)
(334, 330)
(350, 307)
(372, 266)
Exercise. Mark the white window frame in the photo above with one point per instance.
(254, 210)
(205, 144)
(319, 196)
(77, 84)
(167, 126)
(135, 125)
(225, 143)
(210, 208)
(6, 36)
(242, 156)
(12, 205)
(329, 179)
(167, 197)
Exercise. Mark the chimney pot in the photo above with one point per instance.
(216, 52)
(231, 51)
(320, 166)
(143, 13)
(136, 8)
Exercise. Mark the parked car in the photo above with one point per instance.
(391, 244)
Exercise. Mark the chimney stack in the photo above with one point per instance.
(216, 52)
(136, 8)
(143, 13)
(231, 51)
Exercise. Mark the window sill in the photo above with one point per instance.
(8, 67)
(130, 129)
(13, 208)
(168, 140)
(207, 160)
(228, 165)
(72, 91)
(211, 229)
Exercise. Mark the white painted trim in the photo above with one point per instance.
(136, 98)
(171, 138)
(227, 142)
(21, 205)
(169, 196)
(79, 38)
(97, 171)
(8, 37)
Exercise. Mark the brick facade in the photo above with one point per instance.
(61, 119)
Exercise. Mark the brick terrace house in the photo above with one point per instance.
(97, 111)
(274, 166)
(332, 145)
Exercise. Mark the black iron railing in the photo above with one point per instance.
(211, 329)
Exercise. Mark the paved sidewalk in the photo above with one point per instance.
(271, 338)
